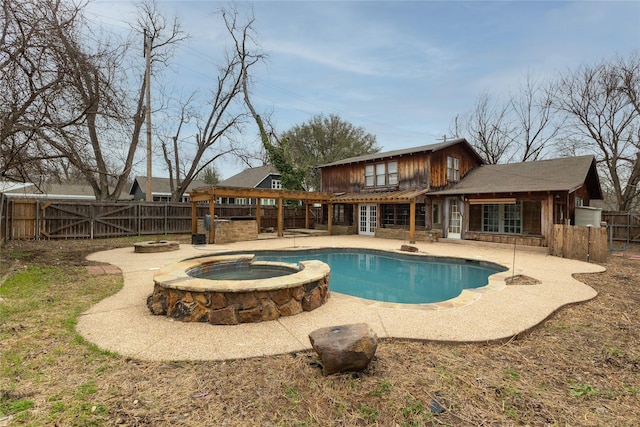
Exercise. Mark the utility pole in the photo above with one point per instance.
(147, 74)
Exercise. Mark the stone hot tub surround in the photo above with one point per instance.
(178, 295)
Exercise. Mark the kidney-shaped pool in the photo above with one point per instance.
(392, 276)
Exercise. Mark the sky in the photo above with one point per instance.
(401, 70)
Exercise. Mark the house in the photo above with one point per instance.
(389, 190)
(445, 189)
(519, 199)
(48, 191)
(266, 176)
(160, 188)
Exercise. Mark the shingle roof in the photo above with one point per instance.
(54, 191)
(249, 178)
(163, 185)
(564, 174)
(402, 152)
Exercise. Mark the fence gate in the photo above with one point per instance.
(21, 219)
(56, 219)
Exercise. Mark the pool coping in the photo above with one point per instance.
(496, 281)
(122, 323)
(176, 275)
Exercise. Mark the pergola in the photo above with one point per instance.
(210, 194)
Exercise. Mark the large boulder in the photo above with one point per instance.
(344, 348)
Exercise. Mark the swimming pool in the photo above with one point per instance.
(392, 277)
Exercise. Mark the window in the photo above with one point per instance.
(435, 214)
(392, 173)
(369, 176)
(502, 218)
(579, 201)
(453, 169)
(276, 184)
(338, 213)
(512, 219)
(241, 201)
(381, 174)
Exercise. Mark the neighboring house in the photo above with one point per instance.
(448, 188)
(266, 177)
(49, 191)
(160, 188)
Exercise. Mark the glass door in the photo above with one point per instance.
(368, 220)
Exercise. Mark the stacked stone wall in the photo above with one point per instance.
(231, 308)
(235, 231)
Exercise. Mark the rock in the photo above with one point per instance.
(290, 308)
(223, 316)
(344, 348)
(408, 248)
(312, 301)
(251, 315)
(435, 407)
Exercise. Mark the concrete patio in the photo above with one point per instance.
(122, 323)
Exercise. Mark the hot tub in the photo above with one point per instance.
(232, 289)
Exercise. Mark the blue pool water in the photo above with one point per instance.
(391, 277)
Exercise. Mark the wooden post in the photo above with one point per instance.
(212, 229)
(307, 219)
(194, 218)
(147, 84)
(412, 221)
(329, 217)
(280, 216)
(258, 205)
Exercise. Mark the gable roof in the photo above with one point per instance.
(52, 191)
(404, 152)
(161, 186)
(564, 174)
(250, 178)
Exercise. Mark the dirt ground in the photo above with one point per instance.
(580, 367)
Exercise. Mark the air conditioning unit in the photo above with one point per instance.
(588, 216)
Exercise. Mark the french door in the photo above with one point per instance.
(455, 221)
(368, 219)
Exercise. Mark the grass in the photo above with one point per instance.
(579, 367)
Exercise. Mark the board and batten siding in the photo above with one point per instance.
(439, 165)
(413, 172)
(425, 170)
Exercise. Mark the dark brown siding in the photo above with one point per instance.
(439, 165)
(415, 171)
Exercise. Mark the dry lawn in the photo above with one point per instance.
(581, 367)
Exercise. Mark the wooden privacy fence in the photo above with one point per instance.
(623, 226)
(36, 219)
(581, 243)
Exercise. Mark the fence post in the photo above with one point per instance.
(166, 217)
(13, 216)
(36, 226)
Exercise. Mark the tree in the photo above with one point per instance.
(84, 109)
(222, 119)
(519, 129)
(324, 140)
(210, 175)
(533, 109)
(28, 84)
(599, 105)
(489, 129)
